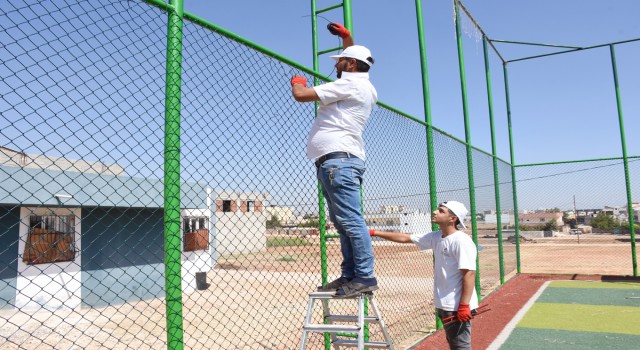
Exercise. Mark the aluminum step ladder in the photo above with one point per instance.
(356, 327)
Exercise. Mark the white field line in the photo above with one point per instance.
(502, 337)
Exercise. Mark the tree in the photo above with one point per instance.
(571, 221)
(604, 222)
(551, 225)
(310, 223)
(274, 222)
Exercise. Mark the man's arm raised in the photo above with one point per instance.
(338, 29)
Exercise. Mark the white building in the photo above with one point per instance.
(284, 214)
(505, 219)
(412, 221)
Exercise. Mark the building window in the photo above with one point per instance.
(226, 206)
(251, 206)
(50, 239)
(195, 231)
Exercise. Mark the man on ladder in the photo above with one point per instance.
(336, 146)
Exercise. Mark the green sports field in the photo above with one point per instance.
(581, 315)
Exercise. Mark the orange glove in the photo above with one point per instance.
(298, 80)
(338, 29)
(372, 233)
(464, 313)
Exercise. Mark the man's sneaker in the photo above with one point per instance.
(334, 285)
(357, 286)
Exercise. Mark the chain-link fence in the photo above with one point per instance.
(596, 237)
(82, 168)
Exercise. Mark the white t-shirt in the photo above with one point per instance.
(345, 106)
(452, 253)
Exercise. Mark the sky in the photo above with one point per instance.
(563, 106)
(85, 80)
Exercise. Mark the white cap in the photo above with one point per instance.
(356, 51)
(458, 209)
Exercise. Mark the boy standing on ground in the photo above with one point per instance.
(454, 271)
(336, 146)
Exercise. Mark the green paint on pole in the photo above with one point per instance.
(173, 278)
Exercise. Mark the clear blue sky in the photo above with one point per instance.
(563, 106)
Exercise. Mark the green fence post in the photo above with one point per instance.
(173, 278)
(625, 160)
(467, 135)
(496, 177)
(433, 195)
(346, 14)
(516, 219)
(427, 112)
(322, 219)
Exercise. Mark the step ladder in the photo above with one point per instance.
(357, 326)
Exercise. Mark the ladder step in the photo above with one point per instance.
(331, 328)
(367, 344)
(331, 295)
(345, 318)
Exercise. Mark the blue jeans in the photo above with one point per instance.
(341, 179)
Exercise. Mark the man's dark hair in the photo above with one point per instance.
(363, 67)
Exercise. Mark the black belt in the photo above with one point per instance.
(333, 155)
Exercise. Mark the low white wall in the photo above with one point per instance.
(240, 232)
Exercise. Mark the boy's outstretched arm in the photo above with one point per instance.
(397, 237)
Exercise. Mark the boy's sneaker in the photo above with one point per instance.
(334, 285)
(357, 286)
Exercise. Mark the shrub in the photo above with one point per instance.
(286, 242)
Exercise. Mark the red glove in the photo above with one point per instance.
(298, 80)
(464, 313)
(372, 233)
(338, 29)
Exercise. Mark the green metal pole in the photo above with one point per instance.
(433, 195)
(426, 98)
(172, 254)
(467, 135)
(322, 218)
(496, 174)
(348, 22)
(513, 168)
(346, 14)
(625, 160)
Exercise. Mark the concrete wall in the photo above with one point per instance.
(239, 232)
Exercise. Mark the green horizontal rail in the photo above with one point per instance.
(533, 44)
(328, 8)
(575, 161)
(573, 50)
(337, 48)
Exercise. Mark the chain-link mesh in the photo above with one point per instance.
(597, 191)
(82, 100)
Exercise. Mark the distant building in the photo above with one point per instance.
(409, 221)
(91, 238)
(13, 158)
(285, 214)
(536, 219)
(505, 219)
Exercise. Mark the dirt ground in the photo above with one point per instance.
(258, 301)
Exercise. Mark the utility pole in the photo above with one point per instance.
(575, 212)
